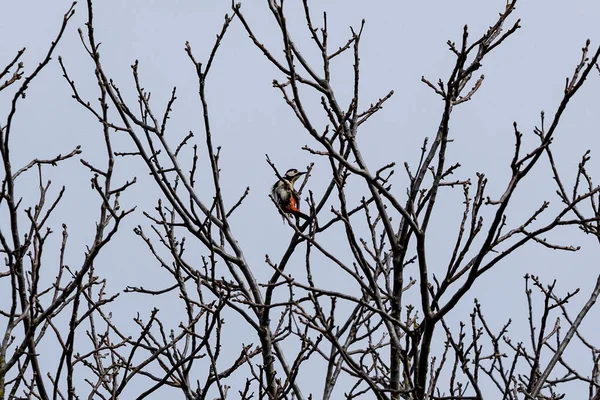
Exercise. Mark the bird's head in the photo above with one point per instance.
(292, 175)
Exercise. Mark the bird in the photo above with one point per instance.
(285, 195)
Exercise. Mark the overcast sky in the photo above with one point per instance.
(402, 41)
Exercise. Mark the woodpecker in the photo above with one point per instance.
(286, 196)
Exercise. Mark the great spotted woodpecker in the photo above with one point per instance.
(285, 195)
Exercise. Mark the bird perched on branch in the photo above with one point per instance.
(285, 195)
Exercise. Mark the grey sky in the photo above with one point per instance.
(402, 42)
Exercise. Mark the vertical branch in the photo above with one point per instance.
(21, 309)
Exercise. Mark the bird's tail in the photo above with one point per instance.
(300, 214)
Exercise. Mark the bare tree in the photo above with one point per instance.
(38, 313)
(370, 340)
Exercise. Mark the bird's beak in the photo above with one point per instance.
(301, 173)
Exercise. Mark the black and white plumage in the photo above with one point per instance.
(286, 196)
